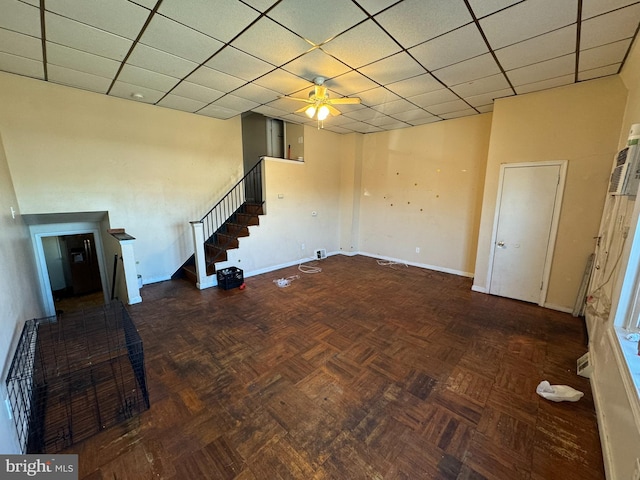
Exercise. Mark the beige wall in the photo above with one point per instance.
(152, 169)
(19, 298)
(579, 123)
(421, 187)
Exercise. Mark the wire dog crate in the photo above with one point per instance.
(74, 376)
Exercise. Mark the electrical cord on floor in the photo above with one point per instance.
(392, 264)
(285, 282)
(309, 268)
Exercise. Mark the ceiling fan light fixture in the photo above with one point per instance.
(310, 111)
(323, 112)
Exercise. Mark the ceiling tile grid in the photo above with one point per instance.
(410, 62)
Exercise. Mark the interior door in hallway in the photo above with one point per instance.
(526, 222)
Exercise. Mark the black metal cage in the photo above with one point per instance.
(74, 376)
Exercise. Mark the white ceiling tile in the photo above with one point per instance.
(116, 16)
(426, 120)
(20, 17)
(173, 37)
(415, 85)
(537, 72)
(392, 69)
(149, 4)
(545, 84)
(350, 83)
(425, 100)
(553, 44)
(261, 5)
(394, 106)
(86, 38)
(485, 108)
(612, 53)
(472, 69)
(362, 127)
(215, 79)
(528, 19)
(161, 62)
(286, 104)
(233, 102)
(316, 63)
(220, 19)
(435, 18)
(591, 8)
(269, 111)
(388, 123)
(126, 91)
(610, 27)
(81, 61)
(458, 113)
(598, 72)
(177, 102)
(482, 8)
(448, 107)
(196, 92)
(74, 78)
(271, 42)
(413, 116)
(363, 114)
(239, 64)
(362, 45)
(482, 85)
(489, 97)
(146, 78)
(374, 6)
(282, 82)
(377, 96)
(216, 111)
(301, 16)
(256, 93)
(453, 47)
(20, 44)
(21, 65)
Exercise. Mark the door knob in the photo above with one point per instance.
(501, 244)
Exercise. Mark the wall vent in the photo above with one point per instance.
(321, 254)
(584, 365)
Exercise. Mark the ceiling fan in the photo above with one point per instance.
(320, 106)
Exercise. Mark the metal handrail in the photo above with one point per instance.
(247, 190)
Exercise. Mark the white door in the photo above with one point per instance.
(526, 222)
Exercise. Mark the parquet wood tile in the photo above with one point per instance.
(362, 371)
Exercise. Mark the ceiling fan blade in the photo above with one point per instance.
(300, 110)
(345, 101)
(333, 110)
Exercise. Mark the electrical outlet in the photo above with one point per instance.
(417, 249)
(302, 246)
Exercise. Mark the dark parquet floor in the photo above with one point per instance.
(361, 371)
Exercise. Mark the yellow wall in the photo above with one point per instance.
(579, 123)
(19, 298)
(152, 169)
(421, 188)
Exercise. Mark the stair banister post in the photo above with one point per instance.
(197, 227)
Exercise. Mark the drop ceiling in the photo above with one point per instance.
(410, 61)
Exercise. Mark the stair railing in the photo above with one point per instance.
(247, 190)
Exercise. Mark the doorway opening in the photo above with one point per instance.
(74, 271)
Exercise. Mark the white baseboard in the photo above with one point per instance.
(419, 265)
(476, 288)
(602, 424)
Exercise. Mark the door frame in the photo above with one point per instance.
(56, 230)
(555, 220)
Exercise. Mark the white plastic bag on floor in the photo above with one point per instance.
(558, 393)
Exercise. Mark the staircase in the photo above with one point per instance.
(228, 221)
